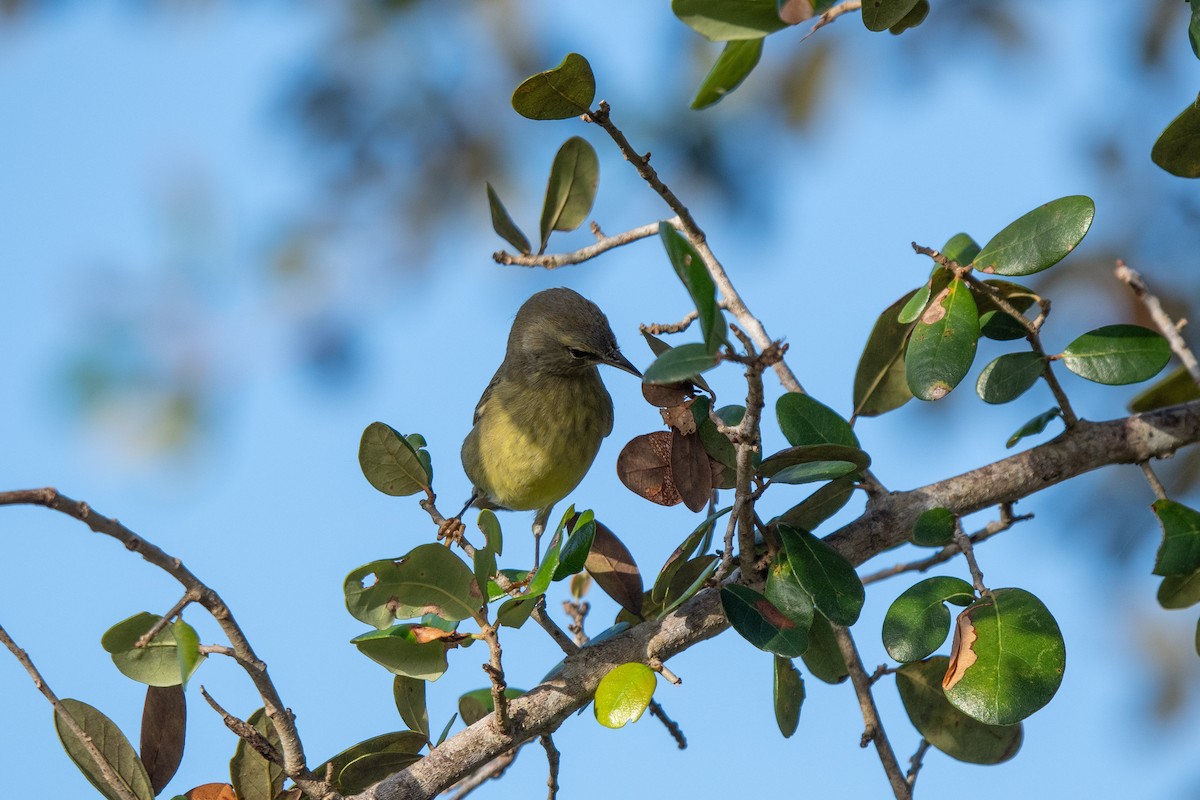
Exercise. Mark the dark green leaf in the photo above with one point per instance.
(761, 623)
(690, 579)
(253, 777)
(943, 725)
(398, 742)
(159, 663)
(699, 284)
(918, 621)
(1179, 553)
(785, 593)
(825, 574)
(823, 657)
(390, 463)
(112, 744)
(579, 544)
(370, 769)
(1007, 660)
(164, 725)
(409, 694)
(1175, 388)
(401, 651)
(934, 528)
(1178, 147)
(912, 19)
(814, 472)
(943, 343)
(503, 224)
(446, 729)
(474, 706)
(716, 444)
(515, 612)
(788, 696)
(1039, 239)
(681, 554)
(680, 363)
(571, 189)
(1179, 591)
(1034, 426)
(1117, 354)
(736, 61)
(818, 506)
(723, 20)
(1009, 376)
(624, 694)
(813, 453)
(939, 279)
(544, 575)
(879, 382)
(879, 15)
(490, 526)
(997, 324)
(1194, 27)
(612, 566)
(559, 93)
(484, 565)
(805, 421)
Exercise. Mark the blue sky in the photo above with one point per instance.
(145, 164)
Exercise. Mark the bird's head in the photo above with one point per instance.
(563, 333)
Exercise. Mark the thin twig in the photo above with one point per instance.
(1168, 328)
(873, 731)
(492, 770)
(245, 731)
(112, 780)
(917, 761)
(602, 245)
(188, 598)
(578, 612)
(495, 671)
(1156, 485)
(559, 636)
(658, 666)
(552, 756)
(964, 544)
(830, 14)
(656, 710)
(658, 328)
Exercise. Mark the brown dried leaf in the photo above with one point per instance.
(164, 720)
(665, 395)
(211, 791)
(690, 470)
(612, 567)
(644, 466)
(961, 654)
(680, 418)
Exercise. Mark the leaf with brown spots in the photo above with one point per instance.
(644, 466)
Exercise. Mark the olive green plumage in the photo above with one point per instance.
(540, 421)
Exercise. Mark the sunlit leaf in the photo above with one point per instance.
(723, 20)
(1174, 388)
(160, 662)
(252, 776)
(571, 189)
(912, 310)
(804, 421)
(918, 621)
(624, 694)
(943, 342)
(773, 465)
(680, 363)
(736, 61)
(575, 552)
(114, 748)
(559, 93)
(1117, 354)
(1039, 239)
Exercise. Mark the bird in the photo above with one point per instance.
(540, 421)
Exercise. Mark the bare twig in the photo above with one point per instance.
(602, 245)
(662, 669)
(551, 627)
(188, 598)
(578, 612)
(656, 710)
(245, 731)
(1166, 326)
(831, 14)
(552, 756)
(495, 671)
(964, 544)
(873, 731)
(658, 328)
(1156, 485)
(112, 780)
(916, 762)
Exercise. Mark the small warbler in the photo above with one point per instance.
(539, 423)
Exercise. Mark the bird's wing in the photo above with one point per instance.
(487, 393)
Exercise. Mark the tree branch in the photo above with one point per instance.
(606, 243)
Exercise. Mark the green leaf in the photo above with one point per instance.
(1009, 376)
(699, 284)
(1117, 354)
(825, 574)
(624, 694)
(1175, 388)
(1179, 553)
(503, 224)
(559, 93)
(788, 692)
(736, 61)
(681, 363)
(939, 279)
(690, 579)
(159, 663)
(912, 19)
(918, 621)
(429, 580)
(680, 555)
(776, 463)
(365, 771)
(1034, 426)
(724, 20)
(398, 742)
(997, 324)
(114, 748)
(1177, 149)
(760, 623)
(515, 612)
(879, 15)
(879, 382)
(823, 657)
(818, 506)
(814, 472)
(475, 705)
(934, 528)
(1007, 660)
(1179, 591)
(571, 189)
(944, 726)
(805, 421)
(490, 526)
(716, 444)
(943, 343)
(784, 592)
(1194, 27)
(484, 566)
(409, 694)
(579, 544)
(187, 649)
(390, 463)
(1039, 239)
(252, 776)
(402, 652)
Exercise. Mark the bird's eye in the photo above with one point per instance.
(579, 354)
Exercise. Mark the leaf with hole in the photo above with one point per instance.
(1007, 658)
(1009, 376)
(571, 189)
(944, 726)
(623, 694)
(736, 62)
(943, 343)
(1039, 239)
(114, 748)
(559, 93)
(1117, 354)
(918, 621)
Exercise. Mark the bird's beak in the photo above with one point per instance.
(618, 360)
